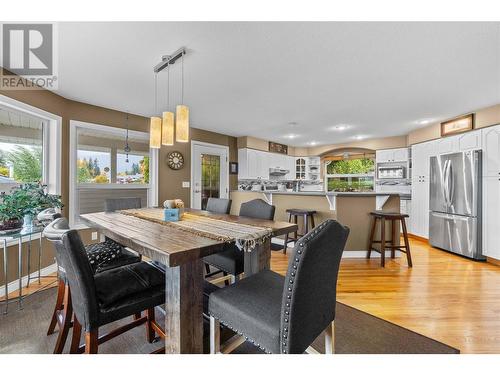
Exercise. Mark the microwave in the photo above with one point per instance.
(391, 172)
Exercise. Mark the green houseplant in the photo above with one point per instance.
(23, 203)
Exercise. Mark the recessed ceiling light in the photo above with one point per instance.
(312, 143)
(359, 137)
(291, 136)
(340, 127)
(425, 121)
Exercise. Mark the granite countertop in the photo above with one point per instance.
(322, 193)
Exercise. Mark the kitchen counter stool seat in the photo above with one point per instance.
(393, 242)
(295, 213)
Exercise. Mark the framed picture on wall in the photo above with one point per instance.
(457, 125)
(278, 147)
(233, 167)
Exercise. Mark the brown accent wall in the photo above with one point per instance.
(170, 182)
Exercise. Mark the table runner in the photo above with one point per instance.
(246, 237)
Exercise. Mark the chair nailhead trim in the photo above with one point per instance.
(291, 279)
(242, 334)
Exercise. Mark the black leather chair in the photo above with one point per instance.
(108, 296)
(231, 260)
(103, 256)
(219, 205)
(286, 314)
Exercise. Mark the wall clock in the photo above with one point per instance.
(175, 160)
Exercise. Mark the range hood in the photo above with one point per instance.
(278, 172)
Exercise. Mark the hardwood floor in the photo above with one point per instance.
(444, 296)
(46, 282)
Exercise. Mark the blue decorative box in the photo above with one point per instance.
(171, 214)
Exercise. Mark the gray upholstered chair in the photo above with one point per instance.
(286, 314)
(231, 260)
(99, 299)
(219, 205)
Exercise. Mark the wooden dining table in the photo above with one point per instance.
(182, 253)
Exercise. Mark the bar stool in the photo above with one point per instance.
(295, 213)
(393, 217)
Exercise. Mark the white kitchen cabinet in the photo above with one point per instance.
(491, 151)
(421, 154)
(469, 141)
(491, 217)
(252, 164)
(446, 145)
(392, 155)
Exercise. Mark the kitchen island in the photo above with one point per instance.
(351, 209)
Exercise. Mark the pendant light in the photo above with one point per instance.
(167, 132)
(182, 113)
(155, 123)
(127, 148)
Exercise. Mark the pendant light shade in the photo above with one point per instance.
(167, 131)
(182, 123)
(155, 132)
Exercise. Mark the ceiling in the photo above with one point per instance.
(290, 82)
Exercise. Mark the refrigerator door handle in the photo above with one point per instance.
(445, 183)
(451, 183)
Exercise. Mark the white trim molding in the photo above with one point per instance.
(73, 151)
(212, 145)
(52, 141)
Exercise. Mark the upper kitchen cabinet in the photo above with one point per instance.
(392, 155)
(300, 168)
(252, 164)
(491, 151)
(458, 143)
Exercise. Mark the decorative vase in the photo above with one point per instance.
(11, 226)
(28, 221)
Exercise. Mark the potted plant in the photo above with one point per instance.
(23, 203)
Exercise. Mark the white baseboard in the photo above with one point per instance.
(14, 285)
(347, 254)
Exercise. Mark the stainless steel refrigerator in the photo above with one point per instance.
(455, 203)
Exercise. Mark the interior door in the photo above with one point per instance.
(210, 173)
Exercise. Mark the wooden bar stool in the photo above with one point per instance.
(393, 242)
(306, 216)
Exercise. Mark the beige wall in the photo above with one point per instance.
(371, 144)
(484, 117)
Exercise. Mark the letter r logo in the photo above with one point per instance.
(28, 49)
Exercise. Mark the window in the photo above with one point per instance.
(21, 148)
(94, 166)
(132, 170)
(101, 169)
(350, 175)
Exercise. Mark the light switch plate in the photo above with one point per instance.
(94, 236)
(185, 184)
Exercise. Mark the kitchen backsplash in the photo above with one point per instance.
(281, 185)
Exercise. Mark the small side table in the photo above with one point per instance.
(19, 236)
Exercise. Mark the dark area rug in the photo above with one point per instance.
(24, 331)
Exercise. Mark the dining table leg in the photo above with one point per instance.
(184, 308)
(258, 259)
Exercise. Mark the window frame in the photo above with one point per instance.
(152, 186)
(347, 175)
(51, 142)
